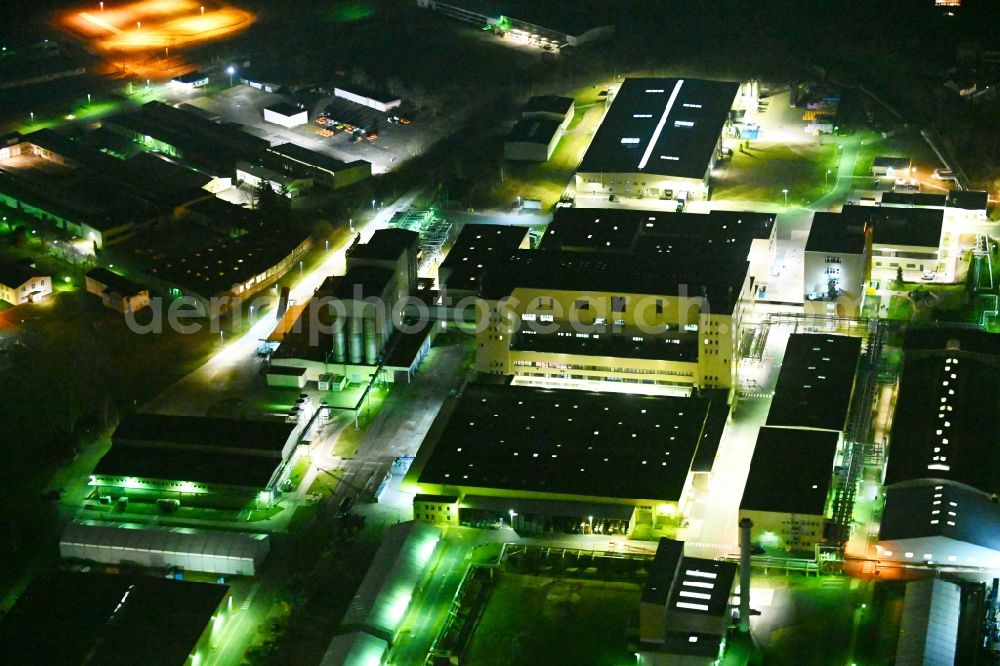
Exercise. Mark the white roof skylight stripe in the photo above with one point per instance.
(689, 606)
(663, 121)
(694, 595)
(700, 574)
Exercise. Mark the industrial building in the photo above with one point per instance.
(459, 275)
(789, 509)
(394, 250)
(846, 251)
(155, 456)
(351, 329)
(373, 620)
(536, 134)
(286, 114)
(159, 127)
(209, 551)
(686, 608)
(189, 82)
(551, 24)
(544, 459)
(293, 170)
(941, 480)
(225, 268)
(74, 618)
(891, 167)
(89, 193)
(354, 325)
(932, 521)
(373, 99)
(22, 283)
(256, 173)
(816, 382)
(949, 382)
(79, 190)
(116, 291)
(550, 107)
(660, 139)
(624, 300)
(532, 140)
(320, 168)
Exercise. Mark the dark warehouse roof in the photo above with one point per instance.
(607, 445)
(661, 126)
(73, 618)
(791, 471)
(816, 382)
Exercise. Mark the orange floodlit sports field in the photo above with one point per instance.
(147, 25)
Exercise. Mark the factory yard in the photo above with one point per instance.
(760, 172)
(560, 621)
(395, 144)
(513, 339)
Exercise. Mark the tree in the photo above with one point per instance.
(274, 208)
(899, 274)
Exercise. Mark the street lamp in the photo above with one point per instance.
(827, 180)
(373, 204)
(88, 99)
(230, 71)
(102, 6)
(512, 513)
(300, 269)
(785, 193)
(590, 519)
(350, 223)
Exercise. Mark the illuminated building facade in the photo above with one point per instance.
(623, 300)
(542, 459)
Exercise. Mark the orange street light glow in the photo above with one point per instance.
(149, 25)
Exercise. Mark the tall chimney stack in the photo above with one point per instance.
(745, 526)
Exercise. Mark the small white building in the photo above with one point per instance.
(891, 167)
(286, 114)
(533, 140)
(20, 283)
(117, 292)
(550, 107)
(189, 82)
(373, 99)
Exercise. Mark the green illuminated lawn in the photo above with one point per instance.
(765, 169)
(900, 309)
(539, 620)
